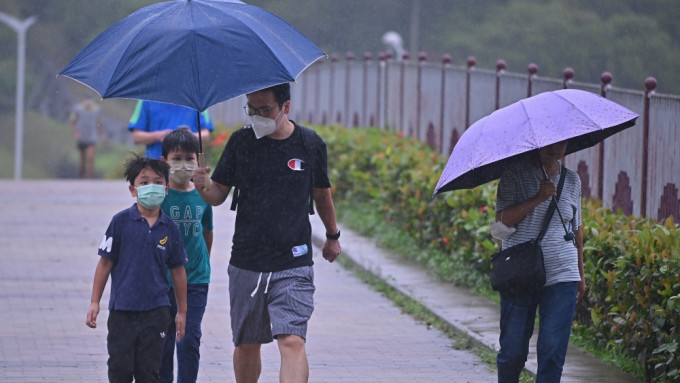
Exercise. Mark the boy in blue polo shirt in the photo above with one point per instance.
(195, 220)
(139, 242)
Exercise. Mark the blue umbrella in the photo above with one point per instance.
(194, 53)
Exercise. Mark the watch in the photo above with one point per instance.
(333, 236)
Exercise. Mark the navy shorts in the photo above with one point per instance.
(265, 305)
(82, 145)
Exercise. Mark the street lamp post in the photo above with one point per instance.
(20, 27)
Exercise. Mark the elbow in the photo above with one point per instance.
(138, 138)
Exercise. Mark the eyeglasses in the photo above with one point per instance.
(262, 112)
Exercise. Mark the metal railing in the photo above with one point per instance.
(637, 170)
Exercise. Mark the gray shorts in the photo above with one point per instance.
(264, 305)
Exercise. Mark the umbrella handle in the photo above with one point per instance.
(201, 163)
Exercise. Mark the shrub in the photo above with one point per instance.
(632, 264)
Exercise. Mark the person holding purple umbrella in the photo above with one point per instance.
(524, 194)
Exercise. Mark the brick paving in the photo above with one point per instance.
(49, 235)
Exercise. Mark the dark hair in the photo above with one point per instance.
(281, 93)
(136, 163)
(180, 139)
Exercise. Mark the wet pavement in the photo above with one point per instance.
(49, 234)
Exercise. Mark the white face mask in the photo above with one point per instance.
(263, 126)
(181, 171)
(500, 231)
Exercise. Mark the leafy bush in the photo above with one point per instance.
(633, 269)
(632, 264)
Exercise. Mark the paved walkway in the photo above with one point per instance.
(461, 308)
(49, 235)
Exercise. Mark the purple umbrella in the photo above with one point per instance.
(508, 134)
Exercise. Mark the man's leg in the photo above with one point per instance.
(247, 363)
(81, 166)
(556, 314)
(294, 365)
(89, 161)
(290, 307)
(517, 326)
(250, 324)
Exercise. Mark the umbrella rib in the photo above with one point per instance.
(150, 18)
(254, 21)
(576, 108)
(531, 126)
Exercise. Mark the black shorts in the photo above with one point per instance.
(82, 145)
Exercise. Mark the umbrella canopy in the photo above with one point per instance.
(508, 134)
(194, 53)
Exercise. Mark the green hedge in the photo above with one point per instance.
(632, 264)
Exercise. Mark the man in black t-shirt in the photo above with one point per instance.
(275, 167)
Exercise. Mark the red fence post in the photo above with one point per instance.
(568, 75)
(348, 64)
(470, 66)
(500, 69)
(422, 58)
(331, 89)
(402, 81)
(532, 69)
(364, 89)
(605, 80)
(317, 102)
(379, 95)
(650, 86)
(386, 103)
(446, 62)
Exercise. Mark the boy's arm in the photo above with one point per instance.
(179, 281)
(101, 276)
(208, 238)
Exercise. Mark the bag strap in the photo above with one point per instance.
(553, 204)
(310, 149)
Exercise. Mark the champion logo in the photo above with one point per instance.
(295, 164)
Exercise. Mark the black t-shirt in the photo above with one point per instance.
(274, 178)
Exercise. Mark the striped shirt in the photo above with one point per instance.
(522, 182)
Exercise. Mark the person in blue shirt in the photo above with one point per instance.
(152, 121)
(195, 220)
(140, 242)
